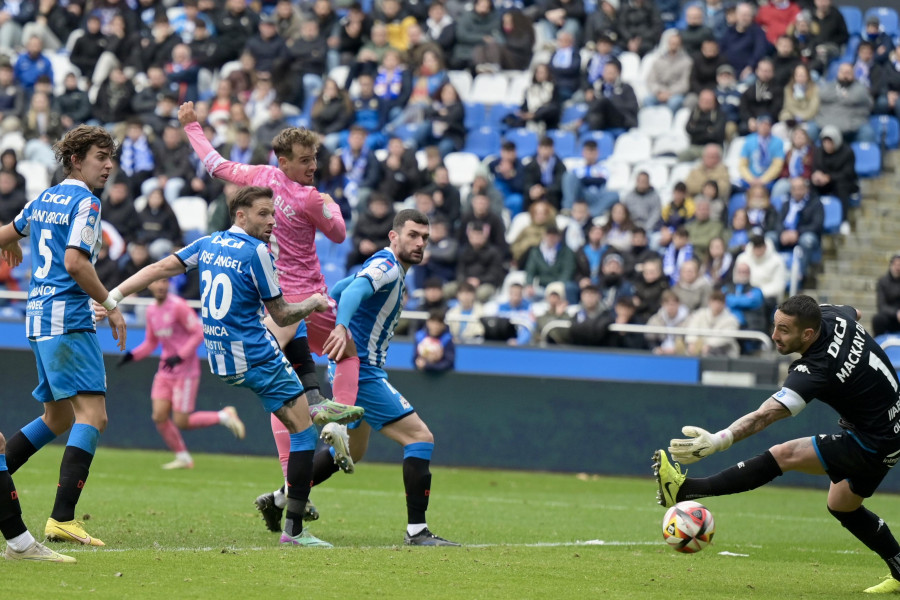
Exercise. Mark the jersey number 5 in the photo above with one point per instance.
(45, 253)
(212, 288)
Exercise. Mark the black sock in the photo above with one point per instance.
(297, 351)
(73, 473)
(18, 450)
(874, 533)
(744, 476)
(417, 482)
(11, 524)
(323, 465)
(299, 475)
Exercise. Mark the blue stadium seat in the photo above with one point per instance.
(573, 113)
(868, 159)
(893, 353)
(850, 51)
(737, 201)
(565, 142)
(407, 132)
(605, 142)
(497, 113)
(482, 142)
(298, 121)
(475, 115)
(776, 202)
(526, 141)
(854, 19)
(890, 22)
(888, 128)
(831, 73)
(834, 214)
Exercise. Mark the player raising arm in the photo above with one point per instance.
(238, 281)
(841, 365)
(64, 226)
(300, 210)
(174, 324)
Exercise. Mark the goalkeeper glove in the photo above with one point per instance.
(700, 444)
(126, 358)
(172, 362)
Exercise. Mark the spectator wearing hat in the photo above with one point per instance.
(881, 41)
(801, 223)
(551, 260)
(480, 263)
(613, 285)
(846, 104)
(434, 348)
(887, 313)
(592, 320)
(557, 313)
(744, 43)
(728, 95)
(713, 316)
(762, 97)
(695, 31)
(834, 169)
(762, 157)
(767, 269)
(613, 105)
(588, 182)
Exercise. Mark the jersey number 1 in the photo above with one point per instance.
(878, 364)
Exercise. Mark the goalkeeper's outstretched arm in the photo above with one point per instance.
(701, 443)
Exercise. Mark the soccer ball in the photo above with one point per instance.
(688, 527)
(430, 349)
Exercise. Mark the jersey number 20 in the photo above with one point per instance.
(211, 290)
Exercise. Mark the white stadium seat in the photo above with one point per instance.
(655, 120)
(37, 177)
(632, 147)
(461, 167)
(462, 81)
(489, 88)
(192, 213)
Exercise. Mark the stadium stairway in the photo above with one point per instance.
(852, 264)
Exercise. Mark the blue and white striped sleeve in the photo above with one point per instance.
(262, 269)
(22, 223)
(380, 272)
(84, 231)
(190, 254)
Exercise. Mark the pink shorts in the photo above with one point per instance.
(181, 392)
(319, 325)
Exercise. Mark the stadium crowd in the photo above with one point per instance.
(582, 163)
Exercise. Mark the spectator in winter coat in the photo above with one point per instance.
(711, 168)
(695, 31)
(669, 79)
(672, 313)
(800, 223)
(480, 211)
(767, 269)
(692, 288)
(706, 125)
(465, 316)
(887, 316)
(846, 104)
(480, 264)
(591, 323)
(613, 104)
(713, 316)
(136, 160)
(89, 47)
(829, 31)
(649, 288)
(703, 228)
(159, 226)
(801, 98)
(551, 260)
(565, 66)
(745, 301)
(542, 104)
(118, 210)
(640, 25)
(744, 43)
(441, 254)
(73, 105)
(267, 47)
(472, 27)
(588, 182)
(612, 284)
(643, 203)
(785, 60)
(705, 66)
(372, 227)
(834, 168)
(12, 198)
(332, 113)
(763, 97)
(543, 176)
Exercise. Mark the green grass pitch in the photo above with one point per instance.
(196, 534)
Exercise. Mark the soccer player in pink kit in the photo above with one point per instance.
(175, 324)
(300, 210)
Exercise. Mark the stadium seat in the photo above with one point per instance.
(573, 112)
(407, 132)
(482, 142)
(605, 142)
(679, 172)
(37, 177)
(887, 128)
(680, 120)
(462, 81)
(488, 88)
(526, 141)
(888, 17)
(381, 154)
(631, 67)
(339, 74)
(422, 159)
(834, 214)
(619, 176)
(854, 19)
(62, 66)
(671, 143)
(565, 143)
(658, 172)
(893, 353)
(868, 159)
(476, 115)
(498, 112)
(518, 86)
(298, 121)
(632, 147)
(461, 167)
(734, 203)
(191, 212)
(654, 120)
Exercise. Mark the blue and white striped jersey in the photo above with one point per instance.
(64, 216)
(237, 273)
(372, 326)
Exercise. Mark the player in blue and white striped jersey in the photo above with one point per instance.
(369, 305)
(64, 226)
(238, 281)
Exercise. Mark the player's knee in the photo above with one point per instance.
(2, 444)
(424, 435)
(159, 417)
(100, 422)
(181, 420)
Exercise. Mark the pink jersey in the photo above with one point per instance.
(177, 326)
(299, 211)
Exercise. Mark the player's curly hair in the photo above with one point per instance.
(283, 144)
(78, 141)
(245, 197)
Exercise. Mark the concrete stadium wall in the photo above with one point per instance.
(487, 421)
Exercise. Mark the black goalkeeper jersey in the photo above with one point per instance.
(846, 369)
